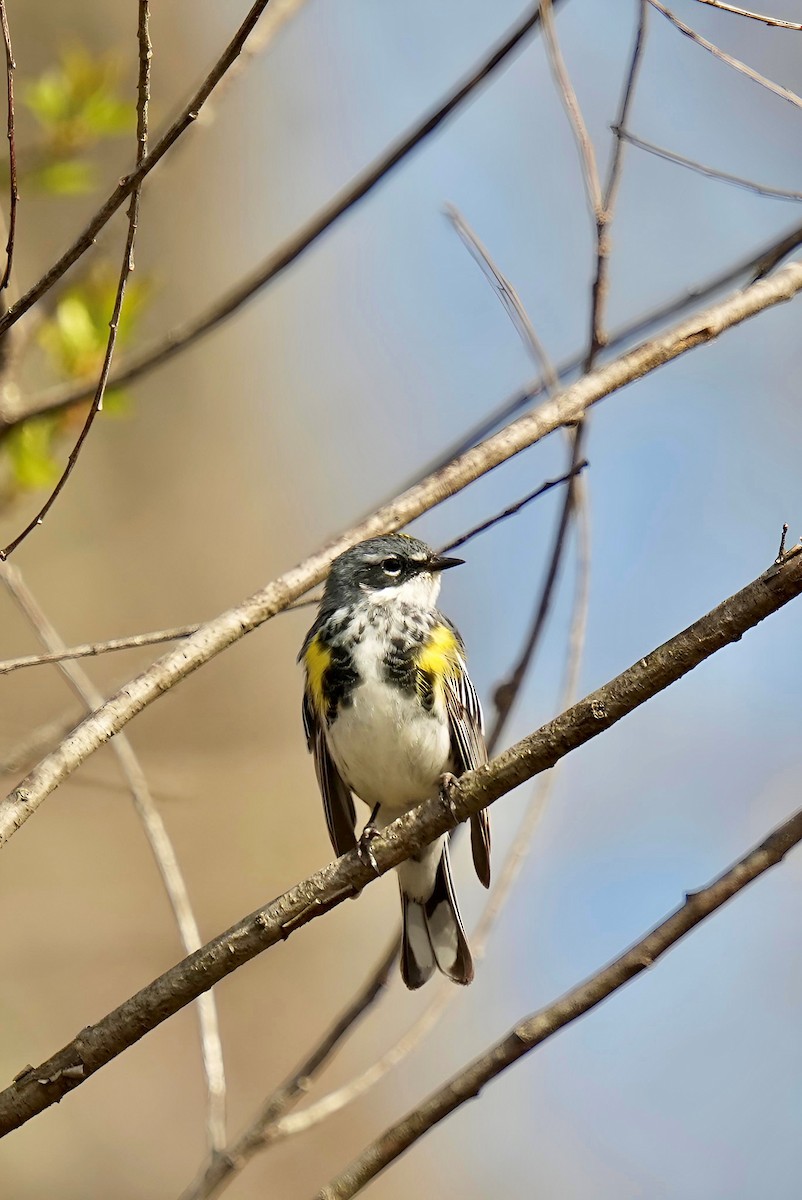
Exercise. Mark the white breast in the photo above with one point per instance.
(386, 747)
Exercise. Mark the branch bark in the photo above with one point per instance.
(35, 1089)
(224, 630)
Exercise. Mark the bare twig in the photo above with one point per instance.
(598, 332)
(587, 155)
(749, 185)
(717, 52)
(160, 844)
(37, 1088)
(143, 98)
(90, 649)
(309, 234)
(512, 511)
(221, 1168)
(532, 1031)
(776, 22)
(508, 296)
(11, 66)
(222, 631)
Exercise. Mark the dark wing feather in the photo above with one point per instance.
(468, 744)
(338, 803)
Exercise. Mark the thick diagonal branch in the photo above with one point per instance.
(37, 1088)
(532, 1031)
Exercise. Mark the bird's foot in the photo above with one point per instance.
(447, 784)
(364, 846)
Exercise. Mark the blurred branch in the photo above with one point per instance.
(754, 16)
(222, 631)
(160, 844)
(222, 1168)
(533, 1030)
(722, 56)
(35, 1089)
(11, 66)
(749, 185)
(143, 99)
(36, 742)
(185, 335)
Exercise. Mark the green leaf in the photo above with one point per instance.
(71, 177)
(29, 447)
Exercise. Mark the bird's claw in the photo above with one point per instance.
(364, 848)
(447, 784)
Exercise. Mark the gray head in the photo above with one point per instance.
(383, 569)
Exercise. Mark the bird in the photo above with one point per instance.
(390, 714)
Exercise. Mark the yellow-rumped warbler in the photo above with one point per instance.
(388, 710)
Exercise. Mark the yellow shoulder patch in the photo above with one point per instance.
(316, 661)
(440, 654)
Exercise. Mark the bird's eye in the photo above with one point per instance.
(391, 567)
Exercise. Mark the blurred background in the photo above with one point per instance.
(325, 395)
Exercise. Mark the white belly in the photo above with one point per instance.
(386, 747)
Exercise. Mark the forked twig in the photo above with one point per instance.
(775, 88)
(749, 185)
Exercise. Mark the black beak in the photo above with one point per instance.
(442, 564)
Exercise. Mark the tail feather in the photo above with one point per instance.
(433, 935)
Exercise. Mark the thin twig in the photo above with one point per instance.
(221, 1168)
(598, 332)
(224, 630)
(143, 98)
(512, 511)
(776, 22)
(508, 296)
(533, 1030)
(587, 155)
(90, 649)
(717, 52)
(160, 844)
(309, 234)
(37, 1088)
(749, 185)
(11, 66)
